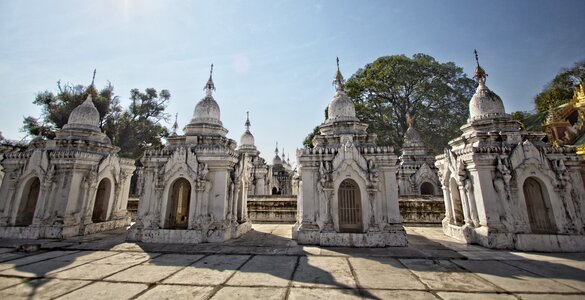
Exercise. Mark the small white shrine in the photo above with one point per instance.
(417, 174)
(348, 194)
(195, 189)
(259, 178)
(506, 188)
(73, 185)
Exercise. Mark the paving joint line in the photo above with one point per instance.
(292, 278)
(152, 285)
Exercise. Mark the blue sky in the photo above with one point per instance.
(275, 59)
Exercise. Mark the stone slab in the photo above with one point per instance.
(566, 274)
(85, 256)
(144, 274)
(397, 294)
(173, 292)
(317, 271)
(384, 273)
(106, 291)
(173, 260)
(513, 279)
(89, 271)
(9, 281)
(446, 276)
(265, 271)
(128, 258)
(211, 270)
(475, 296)
(42, 289)
(268, 293)
(32, 259)
(550, 296)
(323, 294)
(41, 269)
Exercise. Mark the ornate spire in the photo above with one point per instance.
(283, 155)
(480, 74)
(91, 88)
(338, 80)
(247, 124)
(276, 149)
(175, 125)
(553, 116)
(210, 87)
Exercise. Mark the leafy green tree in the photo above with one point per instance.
(57, 107)
(560, 89)
(391, 88)
(140, 126)
(133, 129)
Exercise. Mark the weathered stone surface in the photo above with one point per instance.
(32, 258)
(211, 270)
(165, 291)
(42, 289)
(89, 271)
(40, 269)
(272, 208)
(475, 296)
(323, 294)
(250, 293)
(316, 271)
(349, 192)
(75, 184)
(9, 281)
(513, 279)
(446, 276)
(384, 273)
(265, 271)
(507, 188)
(397, 294)
(144, 274)
(563, 272)
(107, 291)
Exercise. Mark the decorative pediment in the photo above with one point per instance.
(526, 153)
(348, 152)
(424, 174)
(182, 159)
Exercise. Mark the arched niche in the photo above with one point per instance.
(427, 188)
(456, 201)
(349, 207)
(178, 204)
(28, 202)
(102, 201)
(538, 206)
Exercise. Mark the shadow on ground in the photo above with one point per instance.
(267, 257)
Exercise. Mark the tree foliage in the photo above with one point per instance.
(560, 89)
(57, 107)
(133, 129)
(436, 95)
(139, 127)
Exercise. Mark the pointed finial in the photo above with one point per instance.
(93, 78)
(176, 124)
(247, 124)
(338, 80)
(480, 74)
(210, 86)
(283, 155)
(91, 88)
(276, 149)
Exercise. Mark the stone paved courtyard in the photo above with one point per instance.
(266, 264)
